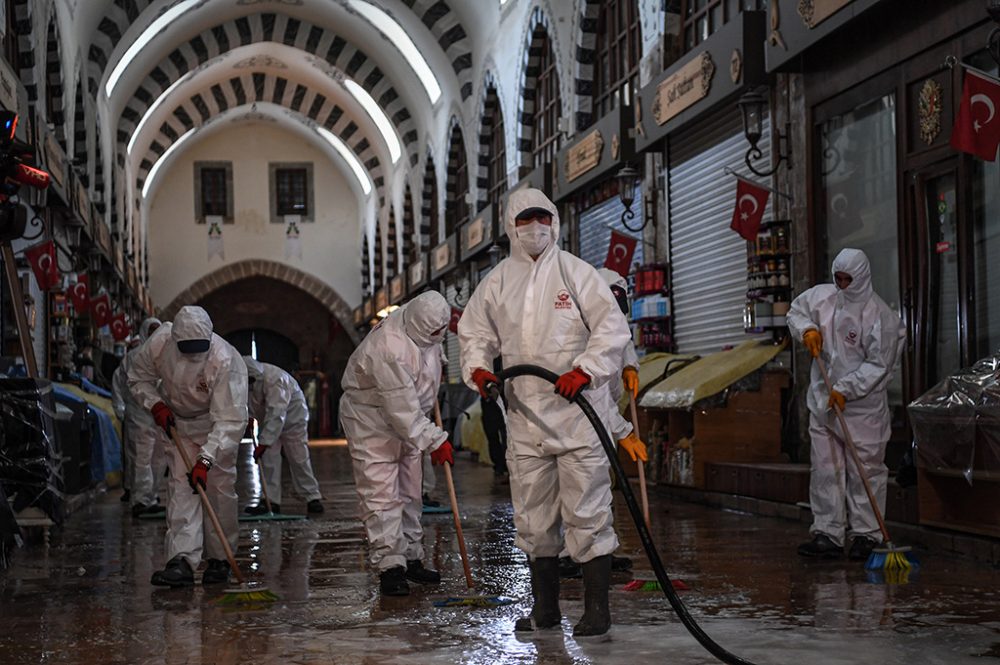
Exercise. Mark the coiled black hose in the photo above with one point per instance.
(676, 603)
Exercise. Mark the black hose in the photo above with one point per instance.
(676, 603)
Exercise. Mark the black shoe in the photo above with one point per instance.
(861, 548)
(596, 619)
(415, 572)
(620, 564)
(217, 572)
(545, 612)
(501, 479)
(125, 497)
(139, 509)
(314, 507)
(261, 509)
(177, 573)
(155, 509)
(569, 569)
(428, 501)
(821, 547)
(392, 582)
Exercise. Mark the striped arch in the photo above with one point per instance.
(24, 24)
(447, 29)
(278, 28)
(54, 84)
(252, 86)
(118, 16)
(538, 24)
(393, 264)
(428, 204)
(82, 131)
(366, 282)
(409, 226)
(490, 92)
(586, 51)
(456, 205)
(379, 258)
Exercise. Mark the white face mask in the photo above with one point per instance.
(534, 237)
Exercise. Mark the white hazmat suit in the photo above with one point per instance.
(390, 386)
(207, 393)
(145, 443)
(557, 313)
(278, 404)
(862, 337)
(620, 427)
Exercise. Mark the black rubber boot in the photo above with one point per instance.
(569, 569)
(821, 547)
(415, 572)
(545, 612)
(261, 509)
(139, 509)
(392, 582)
(177, 573)
(596, 613)
(620, 564)
(314, 507)
(217, 572)
(861, 548)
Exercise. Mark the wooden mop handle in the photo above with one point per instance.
(854, 453)
(454, 507)
(260, 474)
(208, 509)
(642, 472)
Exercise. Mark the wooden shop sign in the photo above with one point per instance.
(685, 87)
(55, 159)
(359, 317)
(441, 257)
(396, 289)
(83, 204)
(814, 12)
(417, 273)
(584, 156)
(381, 300)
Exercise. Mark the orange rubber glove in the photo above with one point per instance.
(482, 378)
(443, 454)
(630, 381)
(838, 399)
(572, 382)
(635, 448)
(813, 341)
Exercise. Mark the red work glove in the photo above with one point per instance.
(258, 452)
(443, 454)
(572, 382)
(483, 378)
(199, 474)
(163, 416)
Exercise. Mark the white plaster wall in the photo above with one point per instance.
(178, 246)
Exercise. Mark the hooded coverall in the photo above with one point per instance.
(145, 443)
(555, 312)
(619, 426)
(277, 402)
(390, 385)
(862, 338)
(207, 393)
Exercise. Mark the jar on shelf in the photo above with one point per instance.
(781, 240)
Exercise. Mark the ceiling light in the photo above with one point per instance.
(395, 33)
(163, 158)
(376, 113)
(349, 157)
(154, 28)
(152, 107)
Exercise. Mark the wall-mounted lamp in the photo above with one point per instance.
(753, 105)
(627, 178)
(993, 42)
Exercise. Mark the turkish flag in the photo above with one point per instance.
(977, 127)
(620, 251)
(456, 315)
(750, 203)
(101, 308)
(42, 258)
(119, 327)
(79, 293)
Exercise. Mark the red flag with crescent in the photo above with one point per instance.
(101, 309)
(42, 258)
(620, 251)
(977, 127)
(119, 327)
(79, 293)
(456, 315)
(750, 203)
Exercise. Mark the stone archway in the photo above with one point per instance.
(274, 270)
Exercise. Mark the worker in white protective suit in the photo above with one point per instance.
(145, 443)
(195, 384)
(390, 386)
(859, 338)
(543, 306)
(277, 403)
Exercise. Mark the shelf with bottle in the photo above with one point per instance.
(652, 279)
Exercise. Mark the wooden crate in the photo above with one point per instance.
(948, 501)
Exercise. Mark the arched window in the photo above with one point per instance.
(391, 269)
(409, 227)
(429, 233)
(546, 111)
(365, 275)
(379, 278)
(616, 61)
(80, 132)
(54, 84)
(496, 173)
(456, 210)
(11, 49)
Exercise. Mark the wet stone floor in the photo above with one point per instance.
(87, 598)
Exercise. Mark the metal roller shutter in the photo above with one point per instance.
(708, 259)
(454, 372)
(596, 224)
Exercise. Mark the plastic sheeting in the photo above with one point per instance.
(105, 434)
(710, 375)
(29, 455)
(956, 424)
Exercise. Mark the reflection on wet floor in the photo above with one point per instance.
(87, 598)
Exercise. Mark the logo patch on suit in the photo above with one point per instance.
(563, 301)
(852, 337)
(202, 386)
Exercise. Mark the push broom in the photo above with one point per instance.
(895, 561)
(463, 601)
(270, 515)
(244, 594)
